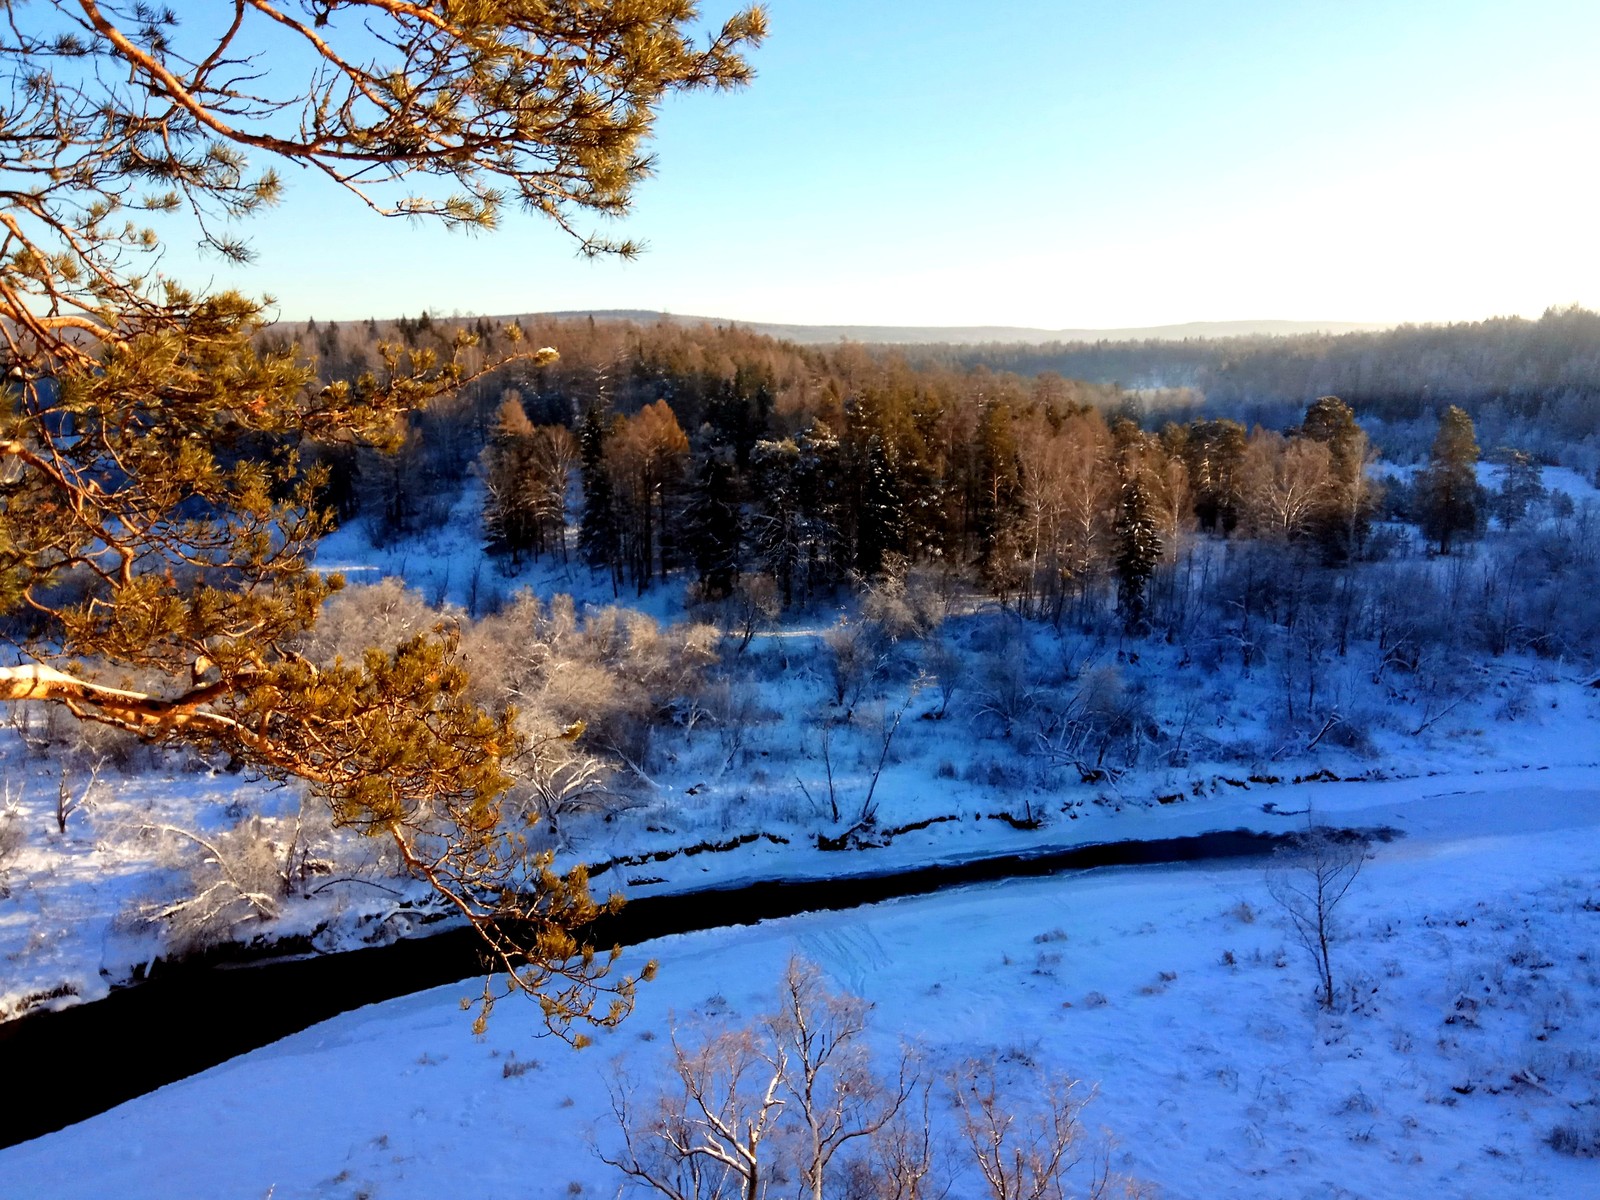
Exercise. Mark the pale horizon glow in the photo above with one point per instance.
(1055, 164)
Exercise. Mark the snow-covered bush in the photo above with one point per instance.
(853, 659)
(901, 603)
(364, 615)
(12, 834)
(234, 878)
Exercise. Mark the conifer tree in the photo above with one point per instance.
(1214, 453)
(1521, 485)
(510, 504)
(598, 535)
(779, 522)
(880, 523)
(1448, 494)
(1342, 521)
(1137, 534)
(715, 525)
(998, 488)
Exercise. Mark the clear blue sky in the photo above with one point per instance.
(1059, 163)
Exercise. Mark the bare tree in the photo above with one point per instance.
(1310, 879)
(708, 1139)
(68, 801)
(1025, 1149)
(771, 1103)
(794, 1104)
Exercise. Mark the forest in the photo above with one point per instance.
(1526, 383)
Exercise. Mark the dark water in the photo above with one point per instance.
(62, 1067)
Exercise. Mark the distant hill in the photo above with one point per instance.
(923, 335)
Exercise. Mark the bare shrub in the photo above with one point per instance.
(1310, 879)
(948, 668)
(734, 708)
(72, 796)
(1101, 730)
(12, 833)
(755, 604)
(1006, 691)
(1580, 1138)
(854, 661)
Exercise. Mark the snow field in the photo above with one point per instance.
(1465, 1036)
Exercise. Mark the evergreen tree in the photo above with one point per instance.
(1449, 504)
(598, 535)
(880, 523)
(997, 498)
(1521, 485)
(1341, 523)
(1137, 532)
(510, 502)
(1214, 453)
(714, 525)
(780, 520)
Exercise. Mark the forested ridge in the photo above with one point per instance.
(1534, 383)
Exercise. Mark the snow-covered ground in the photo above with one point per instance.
(1468, 1031)
(70, 927)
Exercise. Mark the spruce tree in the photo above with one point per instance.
(714, 525)
(780, 522)
(1521, 486)
(880, 523)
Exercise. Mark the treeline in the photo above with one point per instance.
(725, 389)
(1531, 384)
(729, 457)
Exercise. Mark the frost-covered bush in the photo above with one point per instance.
(12, 834)
(902, 604)
(556, 779)
(617, 672)
(853, 658)
(235, 878)
(365, 615)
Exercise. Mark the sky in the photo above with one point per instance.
(1055, 164)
